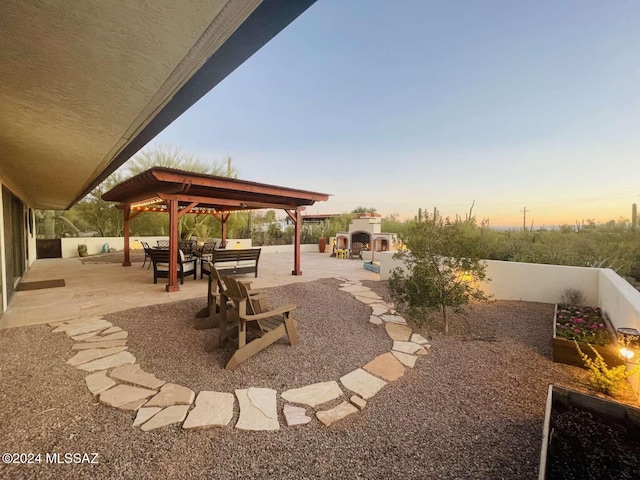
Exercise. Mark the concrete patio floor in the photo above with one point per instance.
(97, 289)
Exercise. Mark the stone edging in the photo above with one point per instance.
(119, 382)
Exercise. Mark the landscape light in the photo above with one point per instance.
(626, 353)
(629, 341)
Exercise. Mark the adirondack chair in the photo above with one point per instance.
(254, 313)
(356, 250)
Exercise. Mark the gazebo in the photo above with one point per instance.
(179, 192)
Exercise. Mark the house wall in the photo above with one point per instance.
(29, 246)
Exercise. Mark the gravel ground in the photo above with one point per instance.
(471, 409)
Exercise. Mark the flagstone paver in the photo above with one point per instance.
(315, 394)
(258, 409)
(134, 374)
(172, 394)
(295, 415)
(369, 294)
(362, 383)
(98, 382)
(358, 402)
(394, 319)
(168, 416)
(86, 356)
(75, 323)
(145, 414)
(107, 344)
(406, 347)
(78, 338)
(106, 338)
(213, 409)
(385, 366)
(379, 309)
(133, 406)
(355, 288)
(406, 359)
(123, 394)
(398, 332)
(90, 327)
(112, 361)
(367, 300)
(419, 339)
(112, 330)
(102, 347)
(328, 417)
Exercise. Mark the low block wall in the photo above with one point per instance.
(94, 244)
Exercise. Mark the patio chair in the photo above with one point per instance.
(160, 261)
(206, 255)
(147, 253)
(356, 250)
(254, 313)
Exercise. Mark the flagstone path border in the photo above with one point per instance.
(119, 382)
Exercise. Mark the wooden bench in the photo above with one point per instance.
(234, 262)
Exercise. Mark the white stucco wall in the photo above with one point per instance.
(94, 244)
(534, 282)
(544, 283)
(618, 299)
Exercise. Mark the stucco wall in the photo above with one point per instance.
(618, 299)
(94, 244)
(525, 281)
(534, 282)
(544, 283)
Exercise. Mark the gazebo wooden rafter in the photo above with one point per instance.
(179, 192)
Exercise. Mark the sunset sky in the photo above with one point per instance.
(407, 104)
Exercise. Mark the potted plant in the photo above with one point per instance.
(322, 244)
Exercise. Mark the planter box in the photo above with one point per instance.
(564, 351)
(594, 437)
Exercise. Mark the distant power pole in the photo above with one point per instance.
(524, 219)
(634, 216)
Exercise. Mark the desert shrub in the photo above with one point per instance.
(572, 296)
(601, 377)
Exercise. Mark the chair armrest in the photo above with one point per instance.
(289, 307)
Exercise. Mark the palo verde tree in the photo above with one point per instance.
(442, 267)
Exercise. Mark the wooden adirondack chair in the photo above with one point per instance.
(254, 313)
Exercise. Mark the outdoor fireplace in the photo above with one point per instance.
(366, 229)
(363, 237)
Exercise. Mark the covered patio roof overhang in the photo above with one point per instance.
(179, 192)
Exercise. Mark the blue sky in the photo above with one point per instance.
(405, 104)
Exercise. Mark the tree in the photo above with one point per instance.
(442, 267)
(94, 214)
(360, 210)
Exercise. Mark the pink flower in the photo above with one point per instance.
(576, 330)
(578, 320)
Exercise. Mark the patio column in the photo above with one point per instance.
(222, 218)
(126, 213)
(295, 216)
(172, 285)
